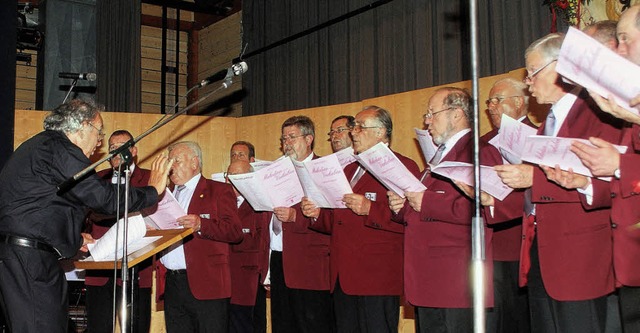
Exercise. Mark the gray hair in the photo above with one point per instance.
(517, 85)
(69, 117)
(191, 145)
(459, 99)
(603, 31)
(304, 123)
(548, 46)
(383, 117)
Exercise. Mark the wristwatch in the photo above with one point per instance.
(617, 173)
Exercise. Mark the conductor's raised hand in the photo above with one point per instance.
(160, 172)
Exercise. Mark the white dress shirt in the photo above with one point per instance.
(173, 258)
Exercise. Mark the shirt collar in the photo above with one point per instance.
(191, 184)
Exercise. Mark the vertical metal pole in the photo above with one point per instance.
(124, 268)
(477, 224)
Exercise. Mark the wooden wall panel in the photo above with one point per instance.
(154, 10)
(26, 82)
(218, 44)
(151, 53)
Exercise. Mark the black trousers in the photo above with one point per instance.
(33, 290)
(549, 315)
(629, 298)
(510, 313)
(100, 312)
(443, 320)
(184, 313)
(250, 319)
(297, 310)
(365, 314)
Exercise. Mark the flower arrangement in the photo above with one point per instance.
(568, 10)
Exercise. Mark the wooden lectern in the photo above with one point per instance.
(168, 238)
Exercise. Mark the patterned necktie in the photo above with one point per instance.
(438, 156)
(357, 176)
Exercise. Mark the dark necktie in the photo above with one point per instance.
(438, 156)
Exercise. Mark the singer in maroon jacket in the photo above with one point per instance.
(366, 246)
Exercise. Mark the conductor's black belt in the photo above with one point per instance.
(27, 242)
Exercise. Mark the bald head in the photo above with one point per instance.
(628, 32)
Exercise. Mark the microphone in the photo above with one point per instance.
(226, 74)
(78, 76)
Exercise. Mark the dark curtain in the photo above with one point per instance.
(118, 55)
(8, 37)
(399, 46)
(69, 45)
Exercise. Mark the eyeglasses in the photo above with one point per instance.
(430, 114)
(498, 99)
(100, 133)
(338, 130)
(529, 78)
(290, 137)
(358, 128)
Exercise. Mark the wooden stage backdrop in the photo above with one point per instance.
(216, 134)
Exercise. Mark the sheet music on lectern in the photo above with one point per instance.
(275, 185)
(105, 247)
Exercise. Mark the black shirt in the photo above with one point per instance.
(29, 203)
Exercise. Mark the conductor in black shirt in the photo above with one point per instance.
(38, 226)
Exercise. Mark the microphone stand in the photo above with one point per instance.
(478, 265)
(69, 183)
(124, 149)
(73, 84)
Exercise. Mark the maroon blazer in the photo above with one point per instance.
(437, 242)
(625, 212)
(100, 225)
(249, 259)
(207, 251)
(574, 240)
(506, 220)
(305, 254)
(366, 251)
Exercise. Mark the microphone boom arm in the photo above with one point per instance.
(69, 183)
